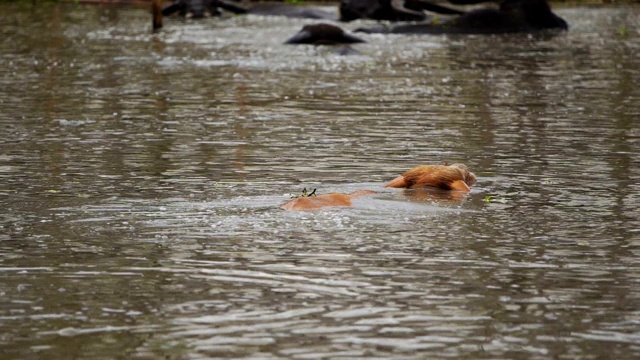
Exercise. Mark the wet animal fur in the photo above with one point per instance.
(324, 200)
(445, 177)
(455, 177)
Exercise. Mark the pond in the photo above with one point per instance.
(141, 176)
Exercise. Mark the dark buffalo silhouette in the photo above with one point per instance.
(511, 16)
(323, 34)
(291, 11)
(391, 10)
(201, 8)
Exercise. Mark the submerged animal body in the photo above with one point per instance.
(323, 34)
(202, 8)
(391, 10)
(446, 177)
(291, 11)
(512, 16)
(325, 200)
(456, 178)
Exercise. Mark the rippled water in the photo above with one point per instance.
(140, 178)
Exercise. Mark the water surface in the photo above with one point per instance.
(140, 178)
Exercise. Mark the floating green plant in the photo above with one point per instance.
(623, 31)
(501, 199)
(494, 199)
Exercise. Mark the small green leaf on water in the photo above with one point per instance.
(623, 31)
(495, 199)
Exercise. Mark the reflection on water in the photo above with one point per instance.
(141, 176)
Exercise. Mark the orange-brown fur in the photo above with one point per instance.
(322, 201)
(446, 177)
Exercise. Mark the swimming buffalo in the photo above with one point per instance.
(509, 17)
(202, 8)
(391, 10)
(323, 34)
(291, 11)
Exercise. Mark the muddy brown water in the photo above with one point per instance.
(140, 177)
